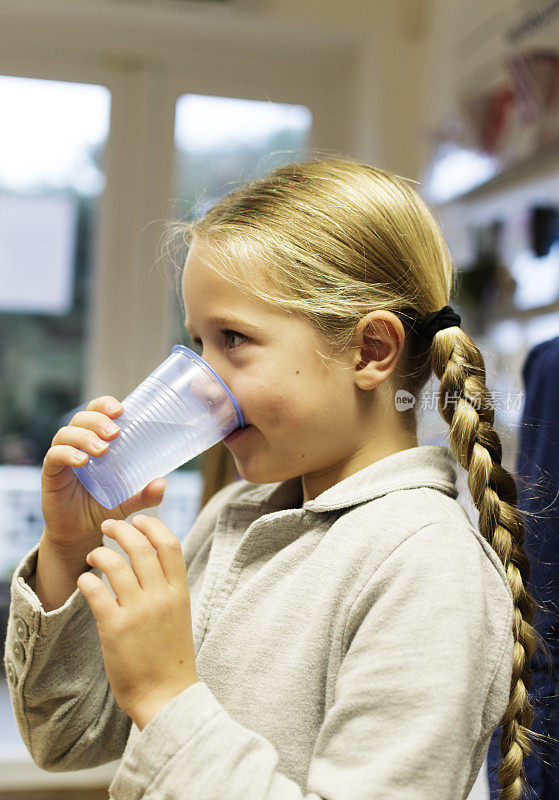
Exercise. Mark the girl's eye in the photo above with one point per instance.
(227, 333)
(197, 345)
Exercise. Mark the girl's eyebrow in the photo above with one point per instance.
(224, 321)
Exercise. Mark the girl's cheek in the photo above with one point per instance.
(262, 405)
(265, 394)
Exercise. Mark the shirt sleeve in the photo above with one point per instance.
(64, 707)
(63, 704)
(424, 677)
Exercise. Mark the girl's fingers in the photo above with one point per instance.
(120, 576)
(81, 439)
(59, 457)
(143, 557)
(168, 548)
(106, 404)
(103, 605)
(89, 432)
(87, 427)
(151, 495)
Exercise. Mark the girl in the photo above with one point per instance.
(354, 635)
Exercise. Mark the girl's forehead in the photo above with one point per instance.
(203, 283)
(200, 274)
(211, 298)
(221, 304)
(211, 263)
(220, 298)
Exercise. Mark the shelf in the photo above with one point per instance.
(529, 181)
(504, 313)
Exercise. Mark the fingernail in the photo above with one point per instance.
(139, 517)
(114, 406)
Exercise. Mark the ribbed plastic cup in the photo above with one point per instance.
(180, 410)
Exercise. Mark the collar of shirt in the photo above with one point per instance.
(426, 465)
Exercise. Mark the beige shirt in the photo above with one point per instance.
(355, 646)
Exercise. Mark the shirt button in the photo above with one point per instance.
(22, 631)
(11, 674)
(19, 652)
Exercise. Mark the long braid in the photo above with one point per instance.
(459, 366)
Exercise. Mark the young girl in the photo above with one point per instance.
(354, 636)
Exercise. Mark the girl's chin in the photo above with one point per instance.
(254, 472)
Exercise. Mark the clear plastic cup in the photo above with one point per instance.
(180, 410)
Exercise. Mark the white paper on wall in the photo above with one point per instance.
(37, 246)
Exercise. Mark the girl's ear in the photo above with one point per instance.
(379, 340)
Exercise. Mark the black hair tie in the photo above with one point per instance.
(437, 321)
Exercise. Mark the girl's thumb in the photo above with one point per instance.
(151, 495)
(158, 486)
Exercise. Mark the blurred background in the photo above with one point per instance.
(118, 114)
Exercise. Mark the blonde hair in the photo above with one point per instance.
(336, 239)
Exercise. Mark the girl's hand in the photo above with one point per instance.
(72, 516)
(146, 632)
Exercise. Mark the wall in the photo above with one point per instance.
(392, 125)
